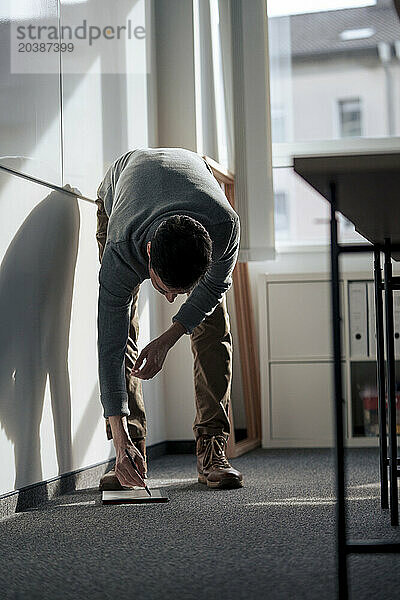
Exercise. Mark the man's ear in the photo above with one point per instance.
(148, 248)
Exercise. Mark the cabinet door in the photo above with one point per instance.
(299, 320)
(301, 402)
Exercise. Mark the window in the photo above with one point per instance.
(334, 86)
(281, 215)
(349, 117)
(278, 124)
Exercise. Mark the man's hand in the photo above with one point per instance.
(123, 469)
(71, 189)
(156, 351)
(154, 354)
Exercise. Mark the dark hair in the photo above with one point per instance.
(180, 252)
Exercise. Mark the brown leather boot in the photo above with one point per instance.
(213, 466)
(110, 481)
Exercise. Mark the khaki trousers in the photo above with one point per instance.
(211, 344)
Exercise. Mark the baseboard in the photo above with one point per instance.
(34, 495)
(171, 447)
(37, 494)
(181, 447)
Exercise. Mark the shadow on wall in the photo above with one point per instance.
(36, 286)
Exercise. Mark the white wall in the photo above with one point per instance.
(50, 413)
(178, 377)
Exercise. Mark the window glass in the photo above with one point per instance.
(302, 215)
(282, 224)
(346, 58)
(334, 81)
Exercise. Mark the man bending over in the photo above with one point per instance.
(162, 215)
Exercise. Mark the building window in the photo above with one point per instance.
(350, 117)
(282, 222)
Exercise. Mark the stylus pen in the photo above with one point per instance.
(136, 470)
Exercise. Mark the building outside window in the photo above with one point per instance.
(335, 77)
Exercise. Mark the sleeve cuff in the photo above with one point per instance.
(184, 319)
(115, 404)
(177, 319)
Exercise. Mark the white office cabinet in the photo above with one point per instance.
(296, 359)
(301, 402)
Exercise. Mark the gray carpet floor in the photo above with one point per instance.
(273, 539)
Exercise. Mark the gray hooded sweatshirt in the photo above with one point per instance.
(141, 189)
